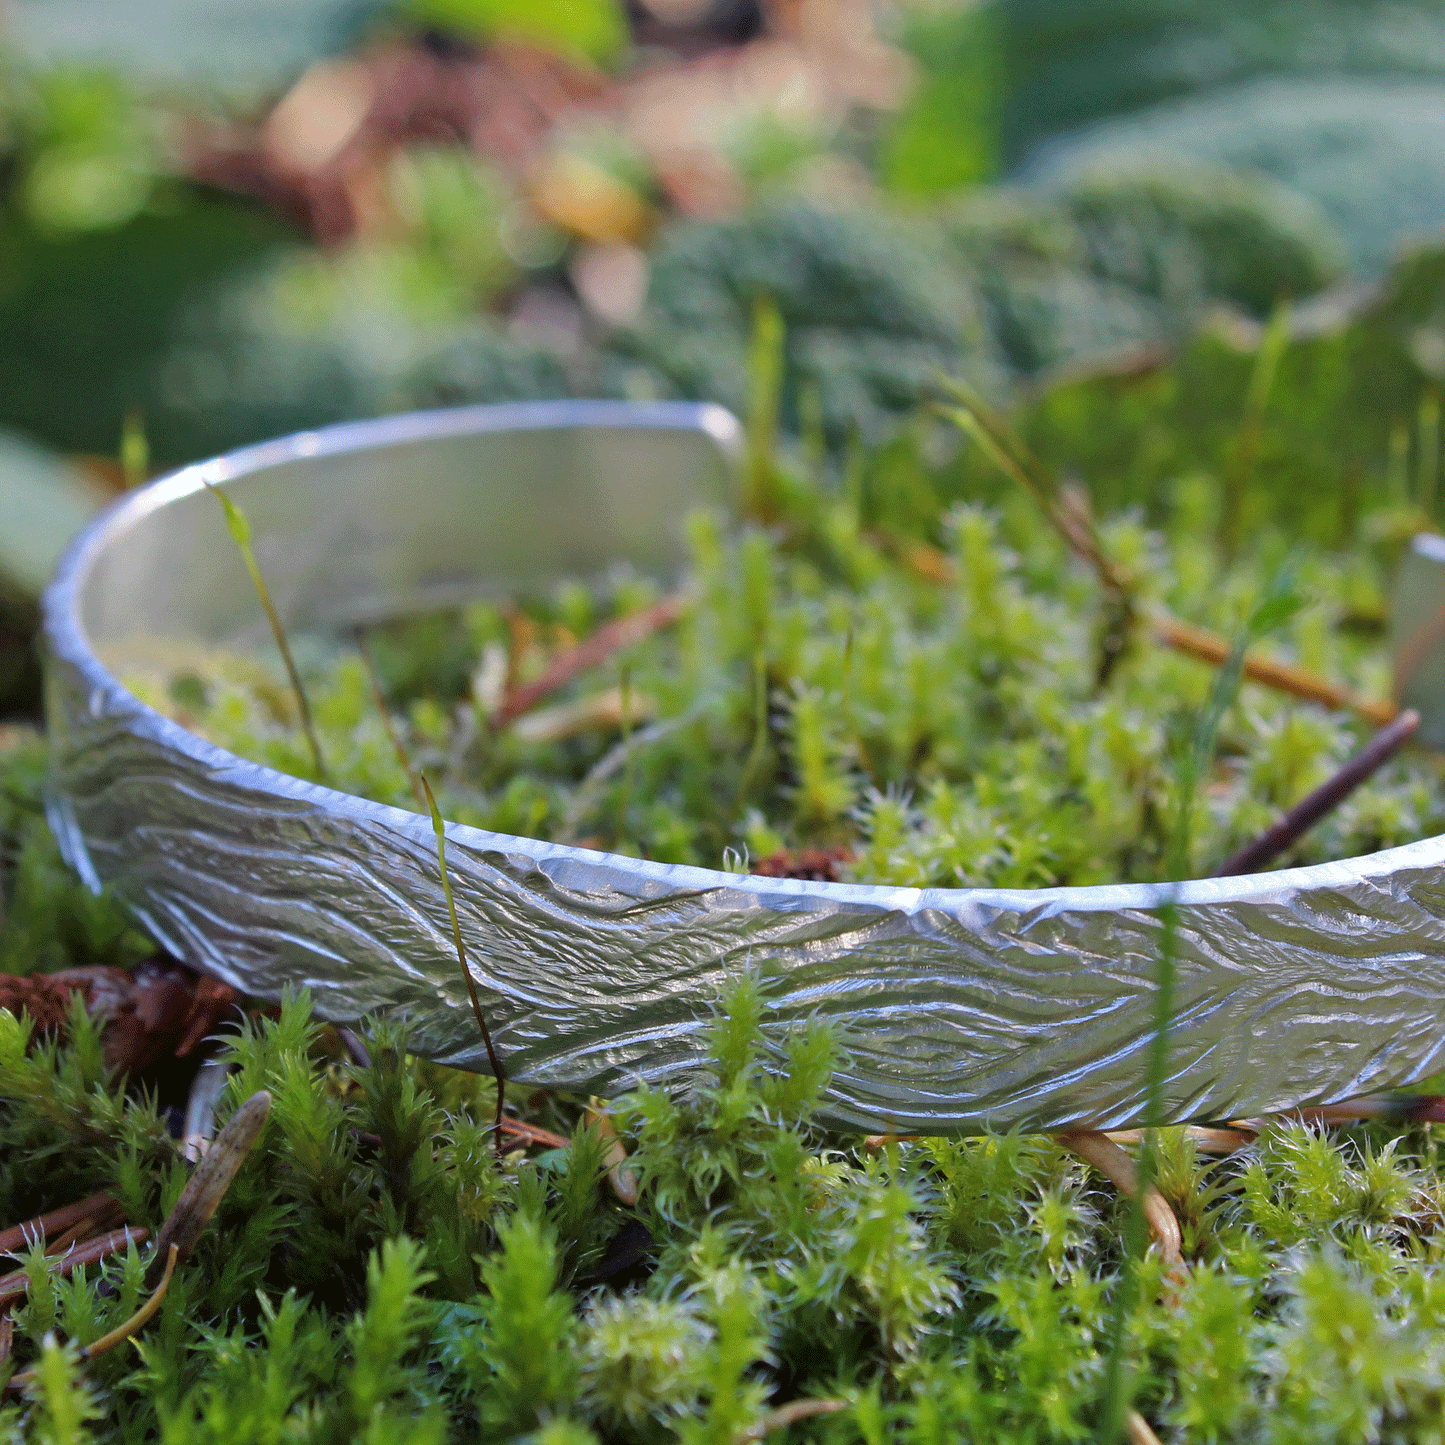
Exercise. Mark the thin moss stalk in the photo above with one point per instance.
(1239, 468)
(497, 1071)
(378, 696)
(240, 529)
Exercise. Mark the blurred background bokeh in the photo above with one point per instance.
(221, 220)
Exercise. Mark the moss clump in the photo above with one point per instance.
(373, 1272)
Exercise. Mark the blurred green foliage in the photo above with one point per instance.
(1070, 65)
(588, 29)
(947, 136)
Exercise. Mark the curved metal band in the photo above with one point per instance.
(958, 1008)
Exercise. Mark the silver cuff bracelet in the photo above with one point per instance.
(958, 1009)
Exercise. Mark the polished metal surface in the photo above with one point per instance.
(958, 1008)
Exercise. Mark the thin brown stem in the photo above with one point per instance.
(1003, 449)
(141, 1317)
(1082, 539)
(1329, 795)
(1384, 1108)
(532, 1134)
(790, 1414)
(378, 696)
(1110, 1160)
(1207, 646)
(497, 1073)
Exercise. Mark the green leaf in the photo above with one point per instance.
(236, 520)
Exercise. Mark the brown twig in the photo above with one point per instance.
(876, 1143)
(1081, 538)
(1329, 795)
(497, 1072)
(1110, 1160)
(1207, 646)
(84, 1229)
(1384, 1108)
(13, 1286)
(532, 1134)
(611, 637)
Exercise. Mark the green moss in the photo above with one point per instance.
(373, 1272)
(903, 663)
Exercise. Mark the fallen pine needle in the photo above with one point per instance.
(13, 1286)
(46, 1226)
(607, 709)
(532, 1134)
(1206, 1141)
(876, 1143)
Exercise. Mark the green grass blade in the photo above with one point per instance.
(240, 529)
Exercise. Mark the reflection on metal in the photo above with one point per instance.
(957, 1008)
